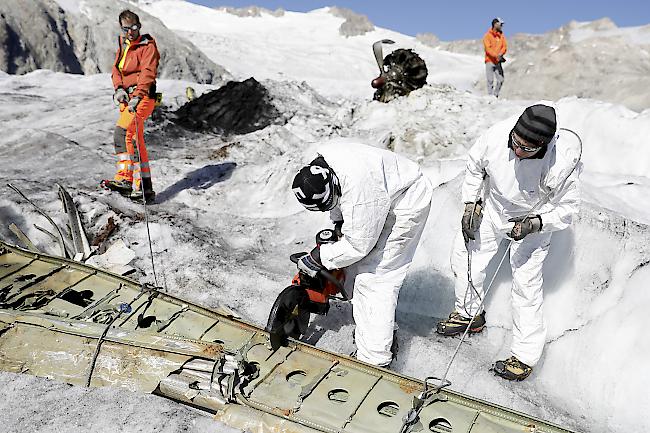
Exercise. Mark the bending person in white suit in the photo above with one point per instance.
(530, 180)
(380, 200)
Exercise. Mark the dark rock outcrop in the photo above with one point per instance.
(39, 34)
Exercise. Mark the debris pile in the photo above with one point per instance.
(235, 108)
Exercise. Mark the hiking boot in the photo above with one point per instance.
(122, 186)
(457, 324)
(149, 196)
(512, 369)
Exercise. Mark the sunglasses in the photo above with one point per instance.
(523, 147)
(133, 27)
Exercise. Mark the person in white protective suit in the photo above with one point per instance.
(380, 201)
(530, 177)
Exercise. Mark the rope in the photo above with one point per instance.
(100, 340)
(505, 254)
(144, 200)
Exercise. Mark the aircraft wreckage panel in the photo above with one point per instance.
(26, 276)
(11, 262)
(64, 320)
(65, 351)
(46, 353)
(134, 368)
(163, 316)
(231, 336)
(189, 324)
(291, 379)
(341, 392)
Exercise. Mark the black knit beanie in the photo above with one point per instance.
(537, 124)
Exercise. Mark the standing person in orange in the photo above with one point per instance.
(495, 46)
(134, 80)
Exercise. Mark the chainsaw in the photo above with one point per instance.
(305, 296)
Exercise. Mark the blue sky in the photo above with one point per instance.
(458, 19)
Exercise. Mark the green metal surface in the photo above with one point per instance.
(68, 321)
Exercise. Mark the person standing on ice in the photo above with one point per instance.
(380, 201)
(531, 191)
(134, 80)
(495, 45)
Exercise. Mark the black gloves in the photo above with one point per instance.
(525, 226)
(310, 263)
(471, 220)
(501, 59)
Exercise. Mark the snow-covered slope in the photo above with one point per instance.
(302, 47)
(226, 221)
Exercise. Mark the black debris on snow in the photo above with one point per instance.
(238, 107)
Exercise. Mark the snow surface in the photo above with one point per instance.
(227, 221)
(303, 46)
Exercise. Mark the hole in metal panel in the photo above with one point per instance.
(440, 425)
(145, 321)
(81, 298)
(218, 341)
(296, 377)
(388, 408)
(338, 395)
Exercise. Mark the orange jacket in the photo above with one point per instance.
(140, 65)
(495, 45)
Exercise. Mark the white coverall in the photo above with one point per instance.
(513, 187)
(384, 203)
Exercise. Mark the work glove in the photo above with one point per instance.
(133, 103)
(310, 263)
(120, 96)
(525, 226)
(471, 220)
(501, 59)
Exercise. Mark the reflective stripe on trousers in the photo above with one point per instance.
(136, 166)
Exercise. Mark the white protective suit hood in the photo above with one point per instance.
(370, 179)
(546, 186)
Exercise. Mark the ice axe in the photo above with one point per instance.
(379, 57)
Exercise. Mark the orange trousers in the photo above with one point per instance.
(131, 166)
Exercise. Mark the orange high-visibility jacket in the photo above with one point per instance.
(140, 65)
(495, 45)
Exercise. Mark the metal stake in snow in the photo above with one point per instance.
(144, 200)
